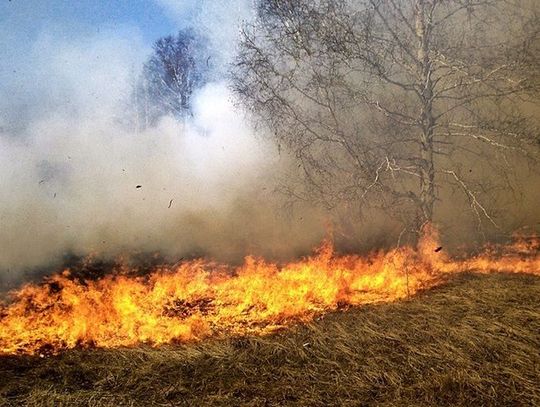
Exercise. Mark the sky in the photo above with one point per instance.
(33, 32)
(24, 22)
(25, 19)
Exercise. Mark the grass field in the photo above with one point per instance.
(474, 341)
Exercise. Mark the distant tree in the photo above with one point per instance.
(392, 103)
(178, 66)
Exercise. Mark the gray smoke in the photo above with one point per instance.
(70, 171)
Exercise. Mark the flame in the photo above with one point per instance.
(198, 299)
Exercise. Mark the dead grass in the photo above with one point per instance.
(472, 342)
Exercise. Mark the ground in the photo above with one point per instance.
(473, 341)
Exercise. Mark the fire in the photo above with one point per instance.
(198, 299)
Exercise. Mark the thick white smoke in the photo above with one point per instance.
(74, 179)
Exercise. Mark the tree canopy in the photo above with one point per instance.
(179, 65)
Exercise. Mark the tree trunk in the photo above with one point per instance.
(427, 170)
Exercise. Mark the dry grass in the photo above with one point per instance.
(472, 342)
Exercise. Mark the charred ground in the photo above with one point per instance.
(473, 341)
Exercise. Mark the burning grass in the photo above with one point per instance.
(197, 300)
(471, 341)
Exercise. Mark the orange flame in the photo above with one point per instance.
(198, 299)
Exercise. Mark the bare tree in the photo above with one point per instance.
(392, 104)
(178, 65)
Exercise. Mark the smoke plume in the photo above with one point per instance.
(74, 180)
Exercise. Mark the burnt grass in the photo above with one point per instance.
(474, 341)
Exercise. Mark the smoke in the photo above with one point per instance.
(74, 180)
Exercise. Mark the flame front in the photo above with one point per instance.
(199, 299)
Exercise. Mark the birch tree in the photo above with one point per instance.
(393, 104)
(178, 66)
